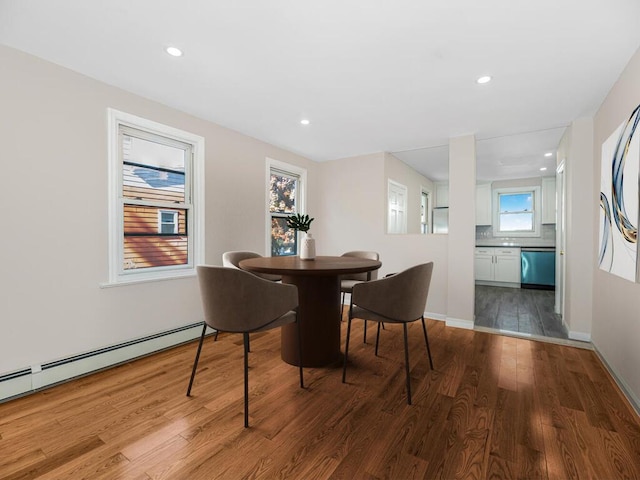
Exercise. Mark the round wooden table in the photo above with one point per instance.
(318, 283)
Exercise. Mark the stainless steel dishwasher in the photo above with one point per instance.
(538, 268)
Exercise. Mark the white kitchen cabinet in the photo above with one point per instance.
(548, 200)
(442, 195)
(498, 265)
(483, 204)
(484, 264)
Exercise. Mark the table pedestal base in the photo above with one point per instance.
(319, 316)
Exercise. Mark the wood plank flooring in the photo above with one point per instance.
(494, 407)
(520, 310)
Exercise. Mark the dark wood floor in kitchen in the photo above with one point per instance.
(518, 310)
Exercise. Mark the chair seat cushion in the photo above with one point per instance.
(347, 285)
(364, 314)
(289, 317)
(267, 276)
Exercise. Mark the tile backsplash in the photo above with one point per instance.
(485, 232)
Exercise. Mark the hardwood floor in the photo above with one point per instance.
(494, 407)
(518, 310)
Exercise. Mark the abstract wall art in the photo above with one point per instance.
(619, 201)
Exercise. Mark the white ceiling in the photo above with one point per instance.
(370, 75)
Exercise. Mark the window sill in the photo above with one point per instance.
(149, 279)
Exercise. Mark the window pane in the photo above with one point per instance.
(516, 202)
(152, 171)
(144, 247)
(283, 238)
(514, 222)
(282, 194)
(168, 217)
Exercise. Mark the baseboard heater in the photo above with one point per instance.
(38, 377)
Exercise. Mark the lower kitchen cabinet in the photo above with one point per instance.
(497, 264)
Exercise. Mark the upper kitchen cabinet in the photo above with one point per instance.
(548, 200)
(442, 195)
(483, 204)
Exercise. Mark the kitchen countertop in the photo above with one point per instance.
(511, 242)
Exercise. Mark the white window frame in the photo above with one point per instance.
(537, 212)
(301, 192)
(425, 228)
(175, 221)
(194, 176)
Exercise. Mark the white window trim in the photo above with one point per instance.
(115, 213)
(426, 190)
(301, 200)
(537, 211)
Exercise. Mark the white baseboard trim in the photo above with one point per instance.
(633, 400)
(37, 377)
(435, 316)
(458, 323)
(581, 336)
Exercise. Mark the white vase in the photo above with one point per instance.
(307, 247)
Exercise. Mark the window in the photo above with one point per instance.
(156, 208)
(517, 212)
(285, 198)
(425, 210)
(167, 222)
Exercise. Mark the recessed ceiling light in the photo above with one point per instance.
(548, 154)
(483, 79)
(542, 169)
(304, 121)
(174, 51)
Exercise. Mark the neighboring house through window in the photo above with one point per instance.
(285, 188)
(156, 207)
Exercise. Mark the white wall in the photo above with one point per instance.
(351, 216)
(54, 195)
(462, 234)
(616, 302)
(580, 209)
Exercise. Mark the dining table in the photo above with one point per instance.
(318, 283)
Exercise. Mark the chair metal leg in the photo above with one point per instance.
(248, 344)
(406, 363)
(346, 350)
(195, 363)
(426, 340)
(246, 379)
(300, 351)
(342, 305)
(364, 339)
(215, 338)
(377, 338)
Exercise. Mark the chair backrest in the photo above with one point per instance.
(361, 276)
(232, 259)
(237, 301)
(402, 296)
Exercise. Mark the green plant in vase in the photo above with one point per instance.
(302, 223)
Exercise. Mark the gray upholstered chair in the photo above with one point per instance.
(399, 298)
(232, 260)
(236, 301)
(348, 281)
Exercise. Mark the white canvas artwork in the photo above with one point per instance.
(619, 200)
